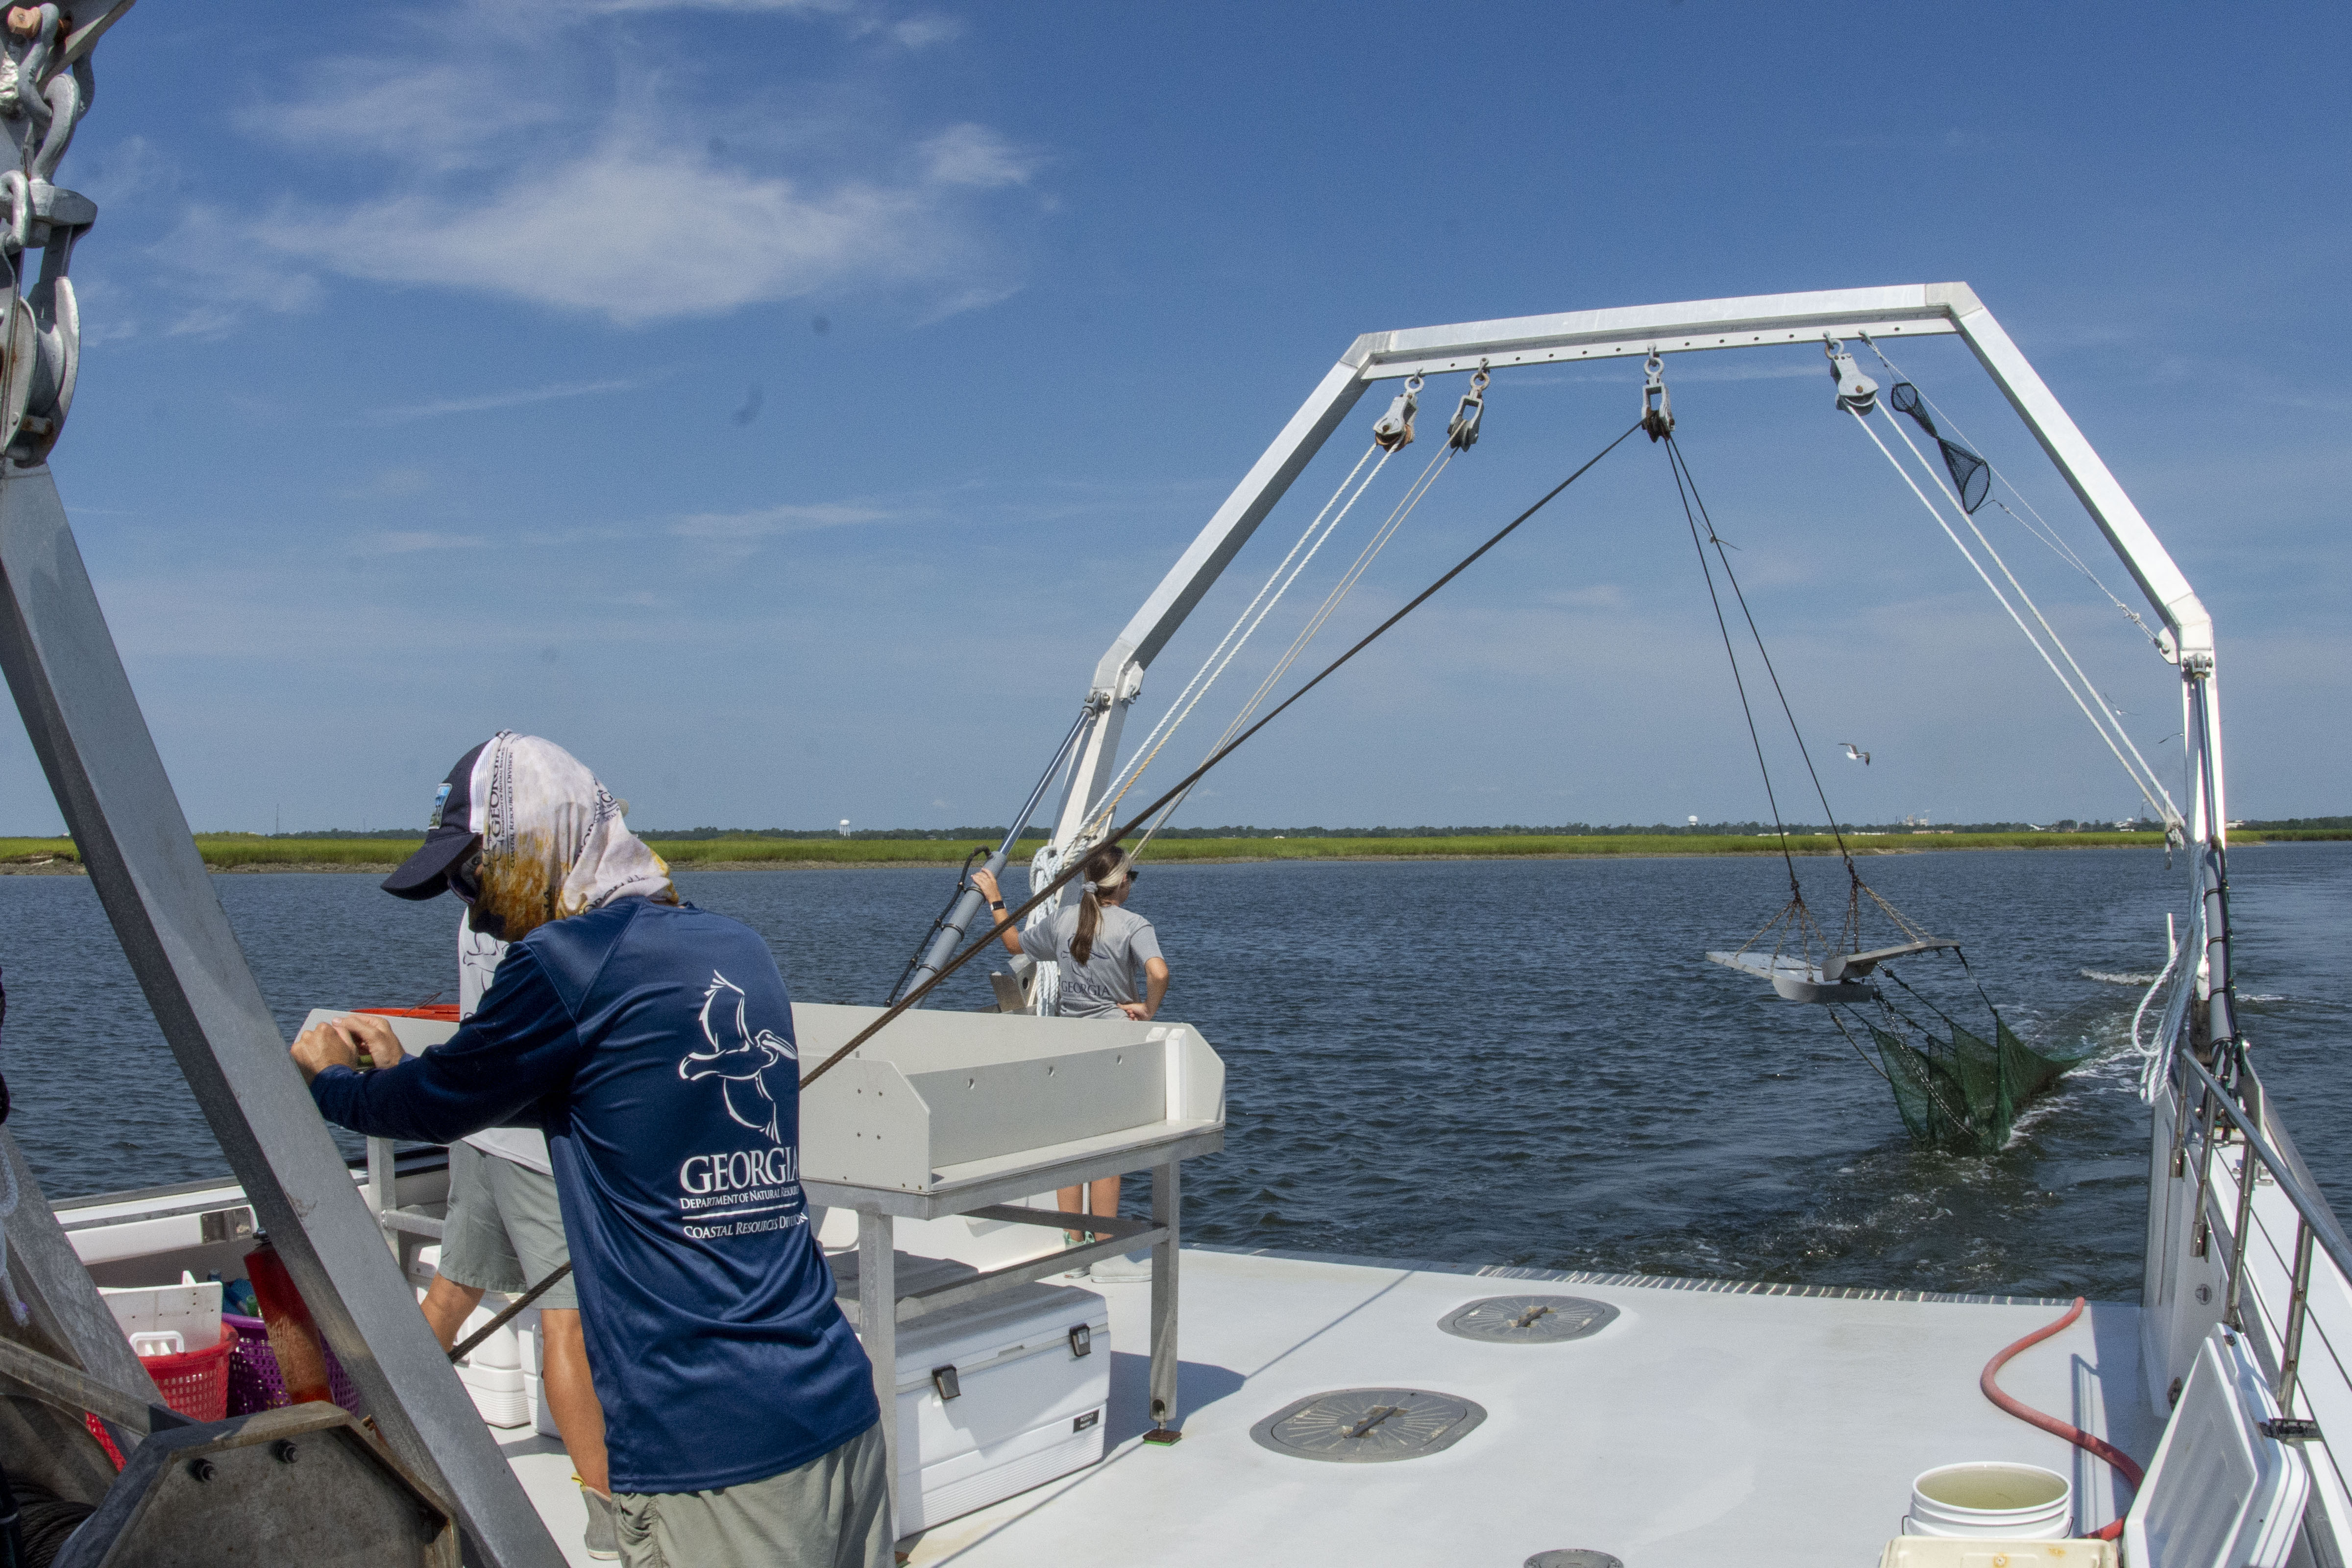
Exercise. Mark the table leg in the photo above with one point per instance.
(1167, 1194)
(877, 1326)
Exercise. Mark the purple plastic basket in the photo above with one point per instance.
(254, 1381)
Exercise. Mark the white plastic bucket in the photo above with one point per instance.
(1992, 1499)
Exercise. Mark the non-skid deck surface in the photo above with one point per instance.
(1702, 1427)
(1705, 1425)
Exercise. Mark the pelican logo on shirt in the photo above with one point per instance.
(741, 1065)
(740, 1192)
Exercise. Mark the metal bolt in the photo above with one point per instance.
(201, 1470)
(286, 1451)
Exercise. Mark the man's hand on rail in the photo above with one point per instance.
(356, 1039)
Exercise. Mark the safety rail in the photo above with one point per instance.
(2315, 1229)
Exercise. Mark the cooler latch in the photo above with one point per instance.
(1082, 1341)
(943, 1378)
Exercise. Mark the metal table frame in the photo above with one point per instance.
(879, 1309)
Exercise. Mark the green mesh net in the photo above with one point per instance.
(1964, 1094)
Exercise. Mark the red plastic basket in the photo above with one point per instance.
(195, 1384)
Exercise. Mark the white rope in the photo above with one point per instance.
(2156, 1054)
(1412, 498)
(1935, 512)
(2145, 778)
(2041, 527)
(1241, 631)
(1251, 619)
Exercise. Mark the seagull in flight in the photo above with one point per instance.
(1860, 756)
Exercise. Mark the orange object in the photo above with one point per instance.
(2100, 1447)
(439, 1012)
(293, 1336)
(195, 1383)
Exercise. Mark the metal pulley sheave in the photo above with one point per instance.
(45, 86)
(1393, 432)
(1856, 393)
(1657, 403)
(1462, 430)
(41, 353)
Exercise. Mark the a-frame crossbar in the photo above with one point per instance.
(1765, 321)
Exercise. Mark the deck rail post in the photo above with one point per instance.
(2298, 1307)
(877, 1329)
(1166, 1200)
(2249, 1171)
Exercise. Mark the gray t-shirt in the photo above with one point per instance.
(1095, 989)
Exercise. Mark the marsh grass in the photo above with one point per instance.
(237, 851)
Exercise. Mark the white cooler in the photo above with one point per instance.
(998, 1397)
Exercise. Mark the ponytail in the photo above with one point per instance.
(1106, 868)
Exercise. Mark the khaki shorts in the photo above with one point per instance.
(831, 1512)
(505, 1228)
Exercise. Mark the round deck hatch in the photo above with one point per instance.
(1574, 1557)
(1368, 1425)
(1529, 1320)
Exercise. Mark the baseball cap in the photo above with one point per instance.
(425, 873)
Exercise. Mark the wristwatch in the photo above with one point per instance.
(996, 903)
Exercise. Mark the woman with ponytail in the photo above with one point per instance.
(1098, 941)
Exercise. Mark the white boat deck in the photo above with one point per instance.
(1708, 1424)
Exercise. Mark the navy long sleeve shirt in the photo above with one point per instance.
(653, 1045)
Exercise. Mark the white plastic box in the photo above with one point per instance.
(1029, 1371)
(167, 1320)
(494, 1374)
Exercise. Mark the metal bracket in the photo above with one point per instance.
(2289, 1429)
(1658, 404)
(1462, 430)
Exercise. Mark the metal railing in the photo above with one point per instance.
(2212, 1110)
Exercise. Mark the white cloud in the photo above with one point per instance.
(768, 521)
(555, 238)
(490, 400)
(976, 156)
(415, 542)
(228, 278)
(583, 172)
(922, 31)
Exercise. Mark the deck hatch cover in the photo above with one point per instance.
(1368, 1425)
(1574, 1557)
(1528, 1320)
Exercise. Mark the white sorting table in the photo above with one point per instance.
(965, 1113)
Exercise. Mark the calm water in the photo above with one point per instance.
(1520, 1062)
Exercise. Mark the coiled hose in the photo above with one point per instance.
(2098, 1447)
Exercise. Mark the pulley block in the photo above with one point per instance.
(1393, 433)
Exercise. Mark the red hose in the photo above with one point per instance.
(2073, 1434)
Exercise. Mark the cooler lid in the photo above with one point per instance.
(2220, 1492)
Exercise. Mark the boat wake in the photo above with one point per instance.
(2109, 977)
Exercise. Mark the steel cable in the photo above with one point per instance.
(1071, 870)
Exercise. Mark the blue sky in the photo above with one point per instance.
(782, 404)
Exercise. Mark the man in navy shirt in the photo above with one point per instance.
(653, 1043)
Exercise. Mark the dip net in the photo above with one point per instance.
(1959, 1092)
